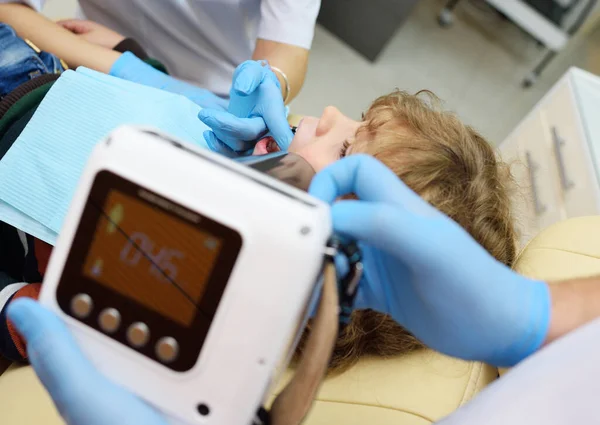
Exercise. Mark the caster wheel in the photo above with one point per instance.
(529, 80)
(445, 18)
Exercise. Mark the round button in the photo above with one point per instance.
(109, 320)
(82, 305)
(167, 349)
(138, 334)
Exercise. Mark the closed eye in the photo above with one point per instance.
(344, 149)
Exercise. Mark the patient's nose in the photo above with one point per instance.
(331, 115)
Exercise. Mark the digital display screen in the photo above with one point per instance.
(161, 260)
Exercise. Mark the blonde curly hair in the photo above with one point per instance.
(449, 165)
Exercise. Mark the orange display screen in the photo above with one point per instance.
(159, 260)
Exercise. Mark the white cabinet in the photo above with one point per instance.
(554, 153)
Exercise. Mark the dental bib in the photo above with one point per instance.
(39, 174)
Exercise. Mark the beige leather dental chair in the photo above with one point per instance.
(415, 389)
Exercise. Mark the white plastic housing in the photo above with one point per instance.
(283, 230)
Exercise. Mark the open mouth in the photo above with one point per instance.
(265, 145)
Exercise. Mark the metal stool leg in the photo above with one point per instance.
(532, 77)
(446, 15)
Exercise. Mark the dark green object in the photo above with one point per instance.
(156, 64)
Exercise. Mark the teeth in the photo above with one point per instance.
(272, 146)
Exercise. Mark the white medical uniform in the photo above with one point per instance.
(559, 385)
(202, 41)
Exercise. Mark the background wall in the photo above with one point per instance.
(476, 65)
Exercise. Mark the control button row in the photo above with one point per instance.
(109, 320)
(138, 333)
(167, 349)
(82, 305)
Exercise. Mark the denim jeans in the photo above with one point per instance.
(20, 63)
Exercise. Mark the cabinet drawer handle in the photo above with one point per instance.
(532, 167)
(559, 142)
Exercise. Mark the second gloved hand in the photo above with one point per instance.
(129, 67)
(255, 108)
(428, 273)
(81, 394)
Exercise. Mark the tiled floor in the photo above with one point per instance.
(476, 66)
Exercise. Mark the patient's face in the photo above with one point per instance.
(321, 141)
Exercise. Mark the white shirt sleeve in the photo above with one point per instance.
(34, 4)
(289, 21)
(558, 385)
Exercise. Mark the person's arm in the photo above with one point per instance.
(54, 39)
(574, 303)
(77, 51)
(292, 60)
(285, 35)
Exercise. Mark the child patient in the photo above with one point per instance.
(432, 151)
(446, 162)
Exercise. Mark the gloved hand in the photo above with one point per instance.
(129, 67)
(427, 272)
(81, 394)
(255, 107)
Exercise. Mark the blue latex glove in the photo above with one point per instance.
(81, 394)
(255, 108)
(129, 67)
(427, 272)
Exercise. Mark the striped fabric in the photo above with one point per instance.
(23, 258)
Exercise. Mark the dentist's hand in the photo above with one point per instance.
(255, 108)
(424, 270)
(131, 68)
(81, 394)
